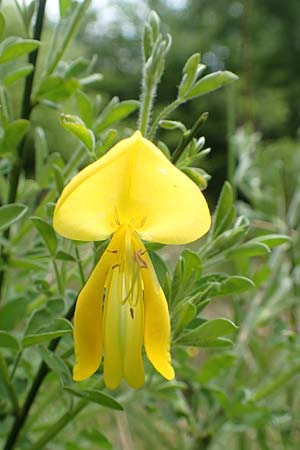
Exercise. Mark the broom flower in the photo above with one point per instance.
(131, 194)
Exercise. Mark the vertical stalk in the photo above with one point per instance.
(146, 105)
(37, 382)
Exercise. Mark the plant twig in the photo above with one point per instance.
(188, 138)
(37, 382)
(162, 115)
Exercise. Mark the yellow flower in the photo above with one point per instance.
(131, 193)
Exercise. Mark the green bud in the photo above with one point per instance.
(172, 125)
(147, 41)
(154, 24)
(190, 72)
(196, 175)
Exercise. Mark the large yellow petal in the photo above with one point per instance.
(135, 184)
(157, 323)
(88, 322)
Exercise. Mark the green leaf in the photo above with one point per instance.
(17, 74)
(7, 340)
(64, 256)
(47, 233)
(188, 270)
(225, 241)
(41, 338)
(235, 285)
(210, 83)
(249, 249)
(14, 133)
(25, 264)
(14, 47)
(75, 125)
(12, 312)
(55, 88)
(5, 381)
(273, 240)
(76, 67)
(107, 142)
(161, 268)
(97, 438)
(115, 113)
(189, 74)
(224, 206)
(96, 396)
(10, 214)
(92, 80)
(184, 313)
(207, 333)
(63, 7)
(85, 107)
(43, 320)
(57, 365)
(2, 24)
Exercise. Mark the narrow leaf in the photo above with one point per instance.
(75, 125)
(224, 206)
(249, 249)
(116, 113)
(10, 214)
(208, 332)
(273, 240)
(210, 83)
(47, 233)
(14, 133)
(96, 396)
(8, 341)
(12, 48)
(17, 74)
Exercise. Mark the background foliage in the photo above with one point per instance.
(233, 296)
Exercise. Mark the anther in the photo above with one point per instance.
(132, 313)
(139, 259)
(112, 251)
(115, 266)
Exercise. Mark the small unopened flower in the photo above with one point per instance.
(133, 193)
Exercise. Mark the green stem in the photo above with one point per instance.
(146, 106)
(4, 375)
(162, 115)
(37, 382)
(189, 137)
(58, 277)
(17, 360)
(81, 272)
